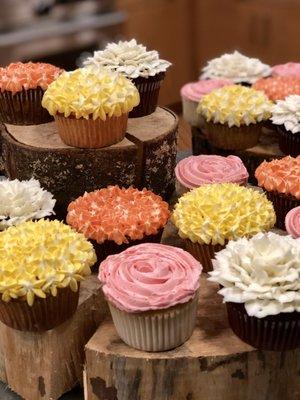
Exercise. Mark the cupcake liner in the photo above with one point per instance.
(234, 138)
(289, 143)
(149, 91)
(203, 253)
(282, 203)
(275, 332)
(158, 330)
(180, 188)
(90, 134)
(43, 315)
(189, 111)
(23, 108)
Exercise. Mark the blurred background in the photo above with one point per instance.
(186, 32)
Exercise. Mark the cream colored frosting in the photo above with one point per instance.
(262, 272)
(287, 112)
(236, 67)
(21, 201)
(129, 58)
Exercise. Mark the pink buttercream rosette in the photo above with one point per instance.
(292, 222)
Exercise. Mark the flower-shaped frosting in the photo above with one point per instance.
(21, 201)
(118, 214)
(235, 105)
(288, 69)
(262, 272)
(194, 91)
(150, 277)
(18, 76)
(287, 112)
(195, 171)
(37, 258)
(236, 67)
(85, 93)
(282, 176)
(129, 58)
(292, 222)
(216, 213)
(278, 87)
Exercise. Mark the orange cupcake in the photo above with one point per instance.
(278, 87)
(22, 86)
(114, 218)
(281, 181)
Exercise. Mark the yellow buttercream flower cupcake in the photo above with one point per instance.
(234, 116)
(42, 265)
(211, 215)
(91, 107)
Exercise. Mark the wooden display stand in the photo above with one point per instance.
(43, 366)
(145, 158)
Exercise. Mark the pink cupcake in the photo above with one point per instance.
(288, 69)
(195, 171)
(292, 222)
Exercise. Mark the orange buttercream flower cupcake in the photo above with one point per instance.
(281, 181)
(22, 86)
(115, 218)
(278, 87)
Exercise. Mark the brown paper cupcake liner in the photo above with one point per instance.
(43, 315)
(282, 203)
(275, 332)
(234, 138)
(203, 253)
(23, 108)
(289, 143)
(158, 330)
(149, 91)
(90, 134)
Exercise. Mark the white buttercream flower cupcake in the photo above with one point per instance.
(142, 66)
(260, 279)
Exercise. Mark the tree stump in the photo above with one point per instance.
(266, 149)
(145, 158)
(43, 366)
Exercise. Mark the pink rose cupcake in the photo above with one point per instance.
(288, 69)
(292, 222)
(195, 171)
(192, 92)
(152, 292)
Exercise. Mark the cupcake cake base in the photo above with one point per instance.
(282, 203)
(203, 253)
(289, 143)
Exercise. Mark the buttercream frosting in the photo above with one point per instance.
(287, 112)
(282, 176)
(37, 258)
(262, 272)
(278, 87)
(129, 58)
(118, 214)
(149, 277)
(235, 105)
(288, 69)
(236, 67)
(195, 171)
(216, 213)
(18, 76)
(194, 91)
(292, 222)
(83, 93)
(21, 201)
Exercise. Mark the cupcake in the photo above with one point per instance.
(91, 109)
(281, 181)
(288, 69)
(192, 92)
(22, 201)
(152, 292)
(42, 265)
(260, 286)
(234, 116)
(279, 87)
(211, 215)
(22, 86)
(143, 67)
(237, 68)
(195, 171)
(292, 222)
(114, 218)
(286, 115)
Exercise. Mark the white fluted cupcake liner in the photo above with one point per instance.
(189, 112)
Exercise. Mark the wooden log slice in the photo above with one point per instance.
(145, 158)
